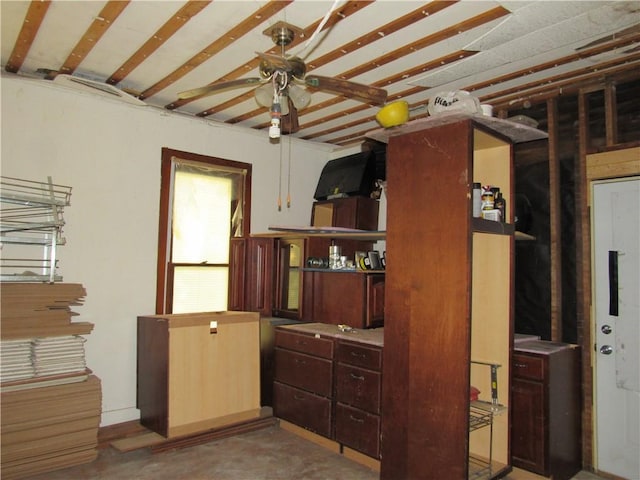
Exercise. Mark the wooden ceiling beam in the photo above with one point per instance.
(349, 9)
(109, 13)
(248, 24)
(164, 33)
(32, 21)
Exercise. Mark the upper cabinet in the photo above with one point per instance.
(448, 298)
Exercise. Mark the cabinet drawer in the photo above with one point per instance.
(302, 408)
(358, 387)
(359, 355)
(527, 366)
(304, 371)
(358, 429)
(321, 347)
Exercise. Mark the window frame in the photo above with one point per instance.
(164, 276)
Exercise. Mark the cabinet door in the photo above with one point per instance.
(312, 374)
(236, 300)
(528, 425)
(288, 292)
(358, 429)
(375, 300)
(305, 409)
(358, 387)
(259, 290)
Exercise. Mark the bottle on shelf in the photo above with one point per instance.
(500, 205)
(477, 199)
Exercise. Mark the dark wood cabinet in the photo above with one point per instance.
(237, 252)
(358, 389)
(330, 385)
(448, 295)
(351, 212)
(303, 386)
(546, 409)
(353, 298)
(259, 275)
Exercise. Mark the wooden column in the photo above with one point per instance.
(583, 274)
(555, 226)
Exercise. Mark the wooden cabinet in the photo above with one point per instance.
(303, 387)
(237, 255)
(448, 295)
(259, 275)
(329, 382)
(184, 365)
(358, 374)
(353, 298)
(546, 409)
(351, 212)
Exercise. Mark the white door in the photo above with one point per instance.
(616, 242)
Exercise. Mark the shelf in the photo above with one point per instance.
(342, 270)
(480, 225)
(32, 215)
(515, 132)
(323, 232)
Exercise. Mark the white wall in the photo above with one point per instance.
(109, 153)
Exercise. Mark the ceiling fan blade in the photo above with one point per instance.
(356, 91)
(216, 87)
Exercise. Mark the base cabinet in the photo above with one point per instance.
(358, 388)
(303, 386)
(546, 409)
(330, 386)
(183, 366)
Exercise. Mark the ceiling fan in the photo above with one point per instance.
(280, 83)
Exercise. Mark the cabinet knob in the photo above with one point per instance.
(606, 329)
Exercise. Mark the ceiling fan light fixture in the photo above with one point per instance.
(264, 95)
(299, 96)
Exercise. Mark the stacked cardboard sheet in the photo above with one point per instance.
(49, 428)
(32, 310)
(15, 360)
(51, 404)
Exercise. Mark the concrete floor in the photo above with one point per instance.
(267, 454)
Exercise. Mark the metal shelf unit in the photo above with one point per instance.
(31, 214)
(481, 415)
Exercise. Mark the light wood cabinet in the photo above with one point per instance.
(197, 371)
(448, 295)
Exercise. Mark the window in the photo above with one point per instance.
(204, 202)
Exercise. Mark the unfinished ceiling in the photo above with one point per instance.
(507, 53)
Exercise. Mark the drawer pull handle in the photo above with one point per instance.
(356, 377)
(359, 355)
(520, 365)
(356, 419)
(301, 362)
(298, 397)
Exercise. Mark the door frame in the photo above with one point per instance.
(609, 165)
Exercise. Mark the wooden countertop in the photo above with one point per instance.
(372, 336)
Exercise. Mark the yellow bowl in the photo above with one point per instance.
(393, 114)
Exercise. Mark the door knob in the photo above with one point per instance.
(606, 349)
(606, 329)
